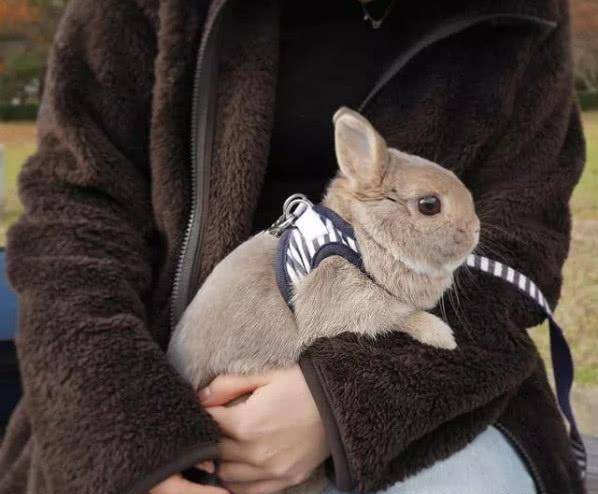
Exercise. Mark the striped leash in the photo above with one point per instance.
(562, 361)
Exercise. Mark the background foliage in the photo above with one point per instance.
(584, 20)
(27, 28)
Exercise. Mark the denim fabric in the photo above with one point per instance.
(488, 465)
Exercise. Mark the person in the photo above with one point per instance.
(483, 88)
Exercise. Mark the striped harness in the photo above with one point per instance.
(309, 234)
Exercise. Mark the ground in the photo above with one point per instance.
(577, 312)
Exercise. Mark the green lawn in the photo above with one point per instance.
(18, 141)
(585, 197)
(578, 310)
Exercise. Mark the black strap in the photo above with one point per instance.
(442, 31)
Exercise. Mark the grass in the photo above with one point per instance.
(578, 309)
(18, 141)
(585, 197)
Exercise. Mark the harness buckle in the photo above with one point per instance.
(292, 209)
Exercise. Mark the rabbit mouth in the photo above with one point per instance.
(417, 267)
(446, 269)
(451, 266)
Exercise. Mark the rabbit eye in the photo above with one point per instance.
(429, 205)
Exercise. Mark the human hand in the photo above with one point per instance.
(273, 440)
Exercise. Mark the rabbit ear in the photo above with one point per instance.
(361, 152)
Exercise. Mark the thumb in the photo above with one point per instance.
(228, 387)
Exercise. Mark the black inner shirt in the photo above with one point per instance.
(329, 57)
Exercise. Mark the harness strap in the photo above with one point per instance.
(317, 233)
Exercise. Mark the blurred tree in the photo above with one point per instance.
(584, 18)
(27, 28)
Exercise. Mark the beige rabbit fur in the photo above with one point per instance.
(239, 323)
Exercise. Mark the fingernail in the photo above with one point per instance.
(204, 393)
(207, 466)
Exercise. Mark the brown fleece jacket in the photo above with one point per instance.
(106, 202)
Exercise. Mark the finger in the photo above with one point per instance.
(232, 471)
(260, 487)
(207, 466)
(227, 419)
(228, 387)
(177, 484)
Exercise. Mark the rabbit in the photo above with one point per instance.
(414, 222)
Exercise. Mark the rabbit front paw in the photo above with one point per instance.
(430, 330)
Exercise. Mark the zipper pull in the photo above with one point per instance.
(292, 209)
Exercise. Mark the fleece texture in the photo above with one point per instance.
(106, 201)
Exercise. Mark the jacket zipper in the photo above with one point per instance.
(202, 108)
(532, 468)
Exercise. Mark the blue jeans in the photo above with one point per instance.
(488, 465)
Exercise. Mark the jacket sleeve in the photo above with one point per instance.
(107, 411)
(502, 117)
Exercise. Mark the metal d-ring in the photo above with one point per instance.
(293, 202)
(288, 213)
